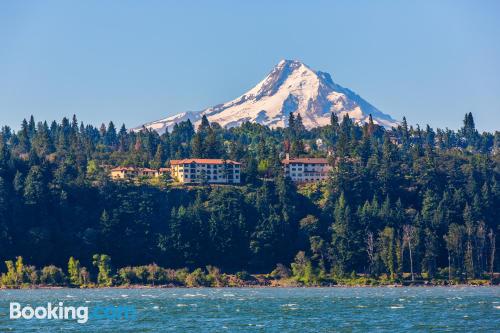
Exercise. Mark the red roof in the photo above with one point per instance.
(308, 160)
(203, 161)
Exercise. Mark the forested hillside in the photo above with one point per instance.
(397, 200)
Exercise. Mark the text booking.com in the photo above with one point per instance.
(80, 314)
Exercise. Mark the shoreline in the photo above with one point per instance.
(250, 286)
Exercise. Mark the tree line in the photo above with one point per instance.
(406, 200)
(21, 275)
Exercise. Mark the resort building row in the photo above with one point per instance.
(196, 170)
(219, 171)
(188, 171)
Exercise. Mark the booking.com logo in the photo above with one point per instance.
(81, 314)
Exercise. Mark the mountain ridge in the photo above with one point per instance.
(291, 86)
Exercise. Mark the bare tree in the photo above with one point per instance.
(492, 238)
(480, 246)
(469, 251)
(409, 232)
(370, 249)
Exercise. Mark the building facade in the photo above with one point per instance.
(212, 171)
(132, 172)
(306, 170)
(123, 172)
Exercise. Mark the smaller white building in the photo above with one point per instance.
(306, 169)
(131, 172)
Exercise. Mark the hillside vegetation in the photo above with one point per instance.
(408, 202)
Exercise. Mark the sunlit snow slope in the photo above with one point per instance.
(290, 87)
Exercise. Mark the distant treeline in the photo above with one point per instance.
(402, 200)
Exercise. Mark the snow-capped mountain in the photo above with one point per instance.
(290, 87)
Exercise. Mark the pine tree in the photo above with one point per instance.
(371, 126)
(429, 260)
(74, 124)
(110, 136)
(31, 127)
(34, 186)
(24, 137)
(299, 127)
(405, 137)
(334, 120)
(291, 123)
(346, 242)
(429, 205)
(430, 137)
(42, 143)
(122, 139)
(468, 131)
(211, 146)
(159, 158)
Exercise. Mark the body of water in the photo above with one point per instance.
(438, 309)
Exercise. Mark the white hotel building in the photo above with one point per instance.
(306, 170)
(199, 170)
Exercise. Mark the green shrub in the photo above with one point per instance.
(197, 278)
(243, 276)
(281, 272)
(52, 276)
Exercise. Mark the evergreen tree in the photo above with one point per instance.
(110, 135)
(34, 186)
(159, 158)
(346, 240)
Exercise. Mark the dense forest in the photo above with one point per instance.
(403, 200)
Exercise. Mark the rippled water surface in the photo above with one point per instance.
(461, 309)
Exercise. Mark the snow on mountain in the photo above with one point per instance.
(290, 87)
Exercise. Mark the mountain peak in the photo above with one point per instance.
(288, 62)
(290, 87)
(290, 65)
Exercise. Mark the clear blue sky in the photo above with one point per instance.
(138, 61)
